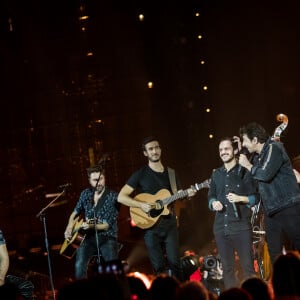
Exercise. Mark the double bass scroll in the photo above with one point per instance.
(279, 129)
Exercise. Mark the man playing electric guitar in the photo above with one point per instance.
(163, 235)
(100, 205)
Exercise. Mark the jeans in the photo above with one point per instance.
(163, 239)
(24, 286)
(242, 244)
(285, 222)
(108, 250)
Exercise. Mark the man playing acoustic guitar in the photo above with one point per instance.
(162, 236)
(100, 208)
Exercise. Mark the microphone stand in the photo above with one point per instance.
(95, 226)
(42, 216)
(101, 163)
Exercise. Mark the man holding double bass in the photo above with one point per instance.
(278, 187)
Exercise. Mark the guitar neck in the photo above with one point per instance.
(175, 197)
(184, 193)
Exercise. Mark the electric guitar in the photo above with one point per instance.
(69, 247)
(160, 202)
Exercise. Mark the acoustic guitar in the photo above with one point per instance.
(69, 247)
(160, 202)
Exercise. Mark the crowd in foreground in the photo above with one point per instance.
(284, 283)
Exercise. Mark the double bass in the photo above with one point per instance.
(266, 267)
(279, 129)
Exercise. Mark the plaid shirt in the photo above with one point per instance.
(106, 210)
(2, 239)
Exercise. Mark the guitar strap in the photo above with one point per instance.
(176, 207)
(172, 179)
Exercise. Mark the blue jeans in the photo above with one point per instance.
(242, 244)
(108, 249)
(163, 239)
(285, 222)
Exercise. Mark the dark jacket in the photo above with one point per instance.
(277, 183)
(237, 180)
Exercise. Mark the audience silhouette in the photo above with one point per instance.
(284, 284)
(164, 287)
(192, 290)
(102, 286)
(235, 293)
(286, 276)
(257, 288)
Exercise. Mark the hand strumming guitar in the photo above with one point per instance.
(146, 207)
(90, 225)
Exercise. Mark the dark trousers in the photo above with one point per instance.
(242, 244)
(285, 222)
(24, 286)
(108, 249)
(163, 239)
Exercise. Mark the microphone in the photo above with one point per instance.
(244, 151)
(235, 210)
(64, 186)
(236, 214)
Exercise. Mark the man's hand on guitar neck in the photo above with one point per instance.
(191, 191)
(68, 233)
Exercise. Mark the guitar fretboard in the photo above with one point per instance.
(177, 196)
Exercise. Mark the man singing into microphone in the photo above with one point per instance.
(231, 194)
(100, 208)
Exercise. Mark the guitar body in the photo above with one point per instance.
(160, 201)
(69, 247)
(144, 220)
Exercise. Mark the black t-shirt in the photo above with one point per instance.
(145, 180)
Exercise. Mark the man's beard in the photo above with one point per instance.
(151, 159)
(154, 159)
(230, 159)
(99, 189)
